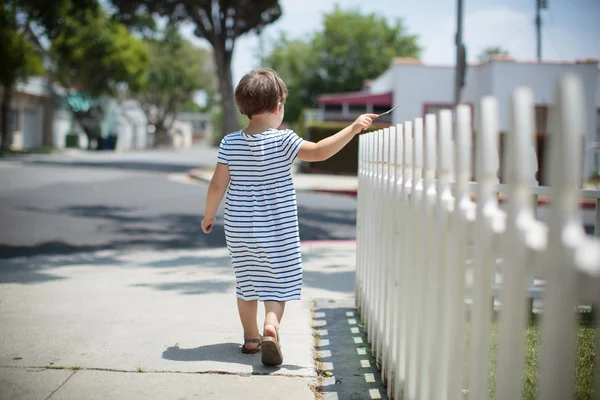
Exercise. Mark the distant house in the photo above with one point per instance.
(201, 123)
(30, 114)
(420, 89)
(40, 116)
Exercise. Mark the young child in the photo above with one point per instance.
(261, 217)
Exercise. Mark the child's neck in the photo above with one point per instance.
(259, 124)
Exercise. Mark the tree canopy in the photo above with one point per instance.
(350, 49)
(20, 58)
(177, 70)
(487, 53)
(94, 56)
(220, 22)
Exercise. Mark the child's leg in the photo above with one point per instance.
(274, 313)
(248, 311)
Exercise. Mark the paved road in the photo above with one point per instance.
(81, 201)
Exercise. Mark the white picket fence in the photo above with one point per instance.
(424, 247)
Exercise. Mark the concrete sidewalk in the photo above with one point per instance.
(152, 325)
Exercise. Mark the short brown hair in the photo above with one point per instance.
(259, 91)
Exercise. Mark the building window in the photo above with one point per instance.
(541, 119)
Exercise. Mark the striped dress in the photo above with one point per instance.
(261, 216)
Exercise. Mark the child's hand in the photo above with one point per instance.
(207, 224)
(363, 122)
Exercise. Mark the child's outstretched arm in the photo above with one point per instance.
(323, 149)
(216, 190)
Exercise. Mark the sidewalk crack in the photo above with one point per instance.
(61, 385)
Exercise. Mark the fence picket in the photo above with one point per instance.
(484, 251)
(425, 250)
(513, 317)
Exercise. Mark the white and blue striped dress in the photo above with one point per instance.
(261, 216)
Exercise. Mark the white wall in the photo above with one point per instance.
(542, 79)
(63, 124)
(36, 86)
(417, 84)
(132, 128)
(384, 83)
(181, 134)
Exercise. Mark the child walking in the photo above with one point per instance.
(261, 216)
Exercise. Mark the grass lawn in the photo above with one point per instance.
(584, 376)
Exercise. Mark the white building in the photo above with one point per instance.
(39, 116)
(420, 89)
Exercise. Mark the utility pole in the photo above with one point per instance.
(539, 6)
(461, 57)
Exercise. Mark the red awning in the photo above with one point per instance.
(357, 98)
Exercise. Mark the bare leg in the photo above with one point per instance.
(248, 311)
(273, 314)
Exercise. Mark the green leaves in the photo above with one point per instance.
(177, 70)
(20, 59)
(96, 54)
(356, 47)
(488, 53)
(351, 48)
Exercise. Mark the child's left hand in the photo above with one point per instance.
(207, 224)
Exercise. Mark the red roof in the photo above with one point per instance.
(357, 98)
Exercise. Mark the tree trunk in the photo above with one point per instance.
(161, 136)
(223, 60)
(6, 98)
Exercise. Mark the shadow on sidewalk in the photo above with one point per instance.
(225, 353)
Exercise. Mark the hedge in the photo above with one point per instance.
(346, 161)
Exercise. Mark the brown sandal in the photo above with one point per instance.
(246, 350)
(271, 350)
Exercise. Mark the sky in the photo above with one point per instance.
(570, 28)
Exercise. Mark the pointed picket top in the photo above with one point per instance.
(378, 154)
(408, 154)
(400, 153)
(393, 157)
(417, 146)
(371, 153)
(385, 153)
(518, 164)
(567, 134)
(429, 153)
(444, 150)
(361, 158)
(463, 153)
(487, 165)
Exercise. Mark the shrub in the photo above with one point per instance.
(346, 161)
(72, 140)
